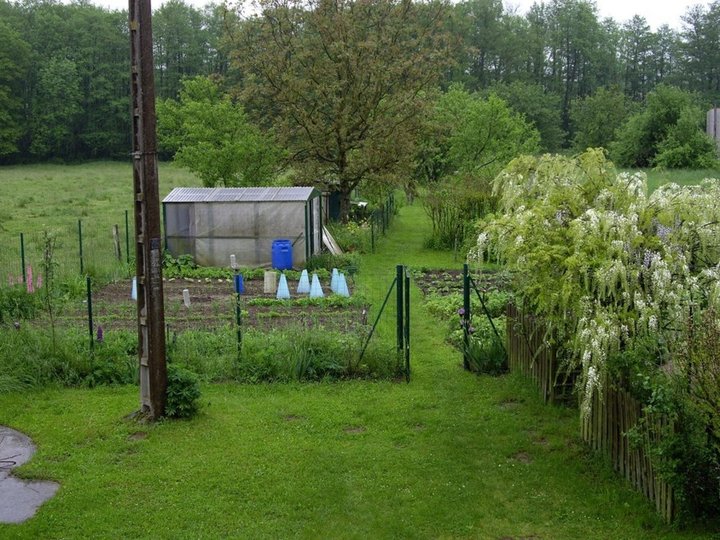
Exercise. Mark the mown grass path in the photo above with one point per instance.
(448, 455)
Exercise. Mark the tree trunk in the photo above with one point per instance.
(344, 206)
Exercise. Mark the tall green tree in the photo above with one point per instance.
(666, 132)
(181, 46)
(700, 47)
(539, 107)
(596, 118)
(56, 109)
(466, 133)
(14, 63)
(636, 54)
(209, 134)
(574, 40)
(343, 83)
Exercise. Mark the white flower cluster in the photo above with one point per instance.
(627, 265)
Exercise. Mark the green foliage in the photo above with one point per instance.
(342, 83)
(469, 134)
(485, 349)
(352, 236)
(452, 205)
(57, 108)
(210, 135)
(31, 358)
(596, 118)
(299, 354)
(17, 304)
(467, 141)
(619, 278)
(666, 132)
(347, 262)
(14, 59)
(540, 108)
(686, 145)
(183, 393)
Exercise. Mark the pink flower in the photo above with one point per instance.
(39, 282)
(30, 287)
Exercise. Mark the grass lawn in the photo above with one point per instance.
(54, 197)
(656, 178)
(449, 455)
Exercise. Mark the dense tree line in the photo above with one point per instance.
(64, 68)
(65, 74)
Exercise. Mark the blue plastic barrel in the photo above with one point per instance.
(282, 254)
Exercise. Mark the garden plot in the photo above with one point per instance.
(446, 282)
(213, 302)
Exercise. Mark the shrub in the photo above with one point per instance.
(183, 393)
(666, 132)
(351, 236)
(622, 281)
(347, 262)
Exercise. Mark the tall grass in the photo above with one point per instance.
(31, 360)
(53, 198)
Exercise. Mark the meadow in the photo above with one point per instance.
(451, 454)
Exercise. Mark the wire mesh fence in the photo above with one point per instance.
(75, 248)
(337, 326)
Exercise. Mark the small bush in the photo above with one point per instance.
(351, 237)
(183, 393)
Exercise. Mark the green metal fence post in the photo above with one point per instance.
(90, 312)
(238, 314)
(407, 324)
(466, 316)
(400, 305)
(82, 268)
(22, 257)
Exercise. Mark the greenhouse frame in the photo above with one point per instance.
(212, 223)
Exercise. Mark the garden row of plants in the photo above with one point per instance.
(628, 286)
(38, 350)
(481, 340)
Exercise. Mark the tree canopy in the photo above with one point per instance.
(210, 134)
(342, 83)
(64, 82)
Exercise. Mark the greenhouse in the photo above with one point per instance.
(212, 223)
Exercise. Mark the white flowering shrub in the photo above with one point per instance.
(601, 261)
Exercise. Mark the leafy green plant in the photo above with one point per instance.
(183, 393)
(620, 279)
(486, 354)
(17, 304)
(352, 236)
(347, 262)
(49, 268)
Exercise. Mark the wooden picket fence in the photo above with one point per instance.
(605, 429)
(529, 355)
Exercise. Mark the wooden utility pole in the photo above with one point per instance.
(148, 247)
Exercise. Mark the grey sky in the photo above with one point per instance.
(657, 12)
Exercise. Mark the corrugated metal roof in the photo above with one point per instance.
(246, 194)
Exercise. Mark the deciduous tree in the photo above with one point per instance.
(210, 134)
(343, 83)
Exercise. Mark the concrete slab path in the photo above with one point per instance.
(19, 499)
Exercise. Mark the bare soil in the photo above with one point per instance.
(213, 305)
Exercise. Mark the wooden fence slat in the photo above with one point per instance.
(606, 428)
